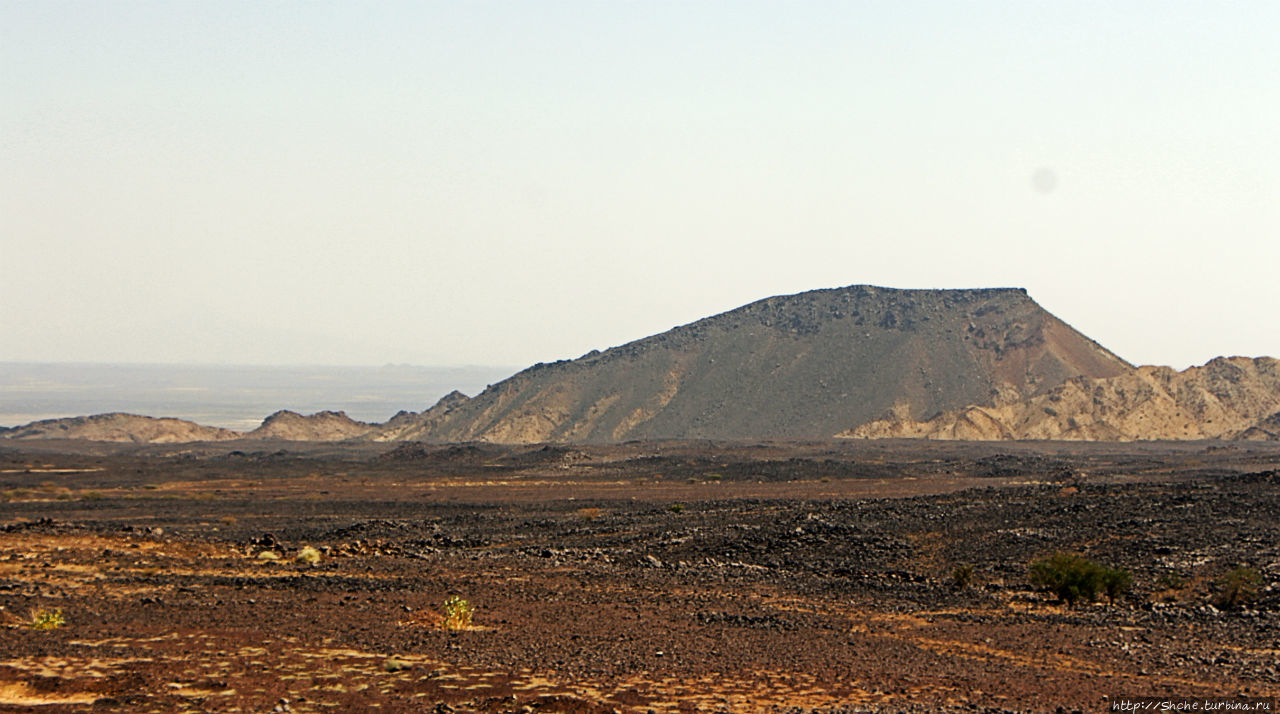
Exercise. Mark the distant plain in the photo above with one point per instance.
(228, 396)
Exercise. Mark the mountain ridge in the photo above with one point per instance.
(792, 366)
(854, 362)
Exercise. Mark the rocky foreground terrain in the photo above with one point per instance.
(878, 576)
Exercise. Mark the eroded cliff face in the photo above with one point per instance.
(1227, 398)
(796, 366)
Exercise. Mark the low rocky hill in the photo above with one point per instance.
(1227, 398)
(321, 426)
(405, 425)
(121, 428)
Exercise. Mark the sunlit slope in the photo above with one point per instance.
(1227, 398)
(797, 366)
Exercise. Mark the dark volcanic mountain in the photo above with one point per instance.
(797, 366)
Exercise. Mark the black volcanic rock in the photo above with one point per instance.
(797, 366)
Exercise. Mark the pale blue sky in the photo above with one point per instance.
(507, 183)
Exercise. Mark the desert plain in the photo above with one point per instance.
(640, 577)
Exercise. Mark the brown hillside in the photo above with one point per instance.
(1227, 398)
(1265, 430)
(321, 426)
(796, 366)
(121, 428)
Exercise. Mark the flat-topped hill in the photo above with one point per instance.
(796, 366)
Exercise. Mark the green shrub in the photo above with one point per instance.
(1073, 578)
(1115, 582)
(676, 507)
(962, 576)
(1170, 581)
(457, 613)
(47, 619)
(1237, 587)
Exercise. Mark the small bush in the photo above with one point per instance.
(1170, 581)
(393, 665)
(47, 619)
(1115, 582)
(457, 613)
(268, 556)
(1237, 587)
(308, 556)
(1073, 578)
(676, 508)
(962, 576)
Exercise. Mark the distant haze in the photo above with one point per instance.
(232, 397)
(504, 182)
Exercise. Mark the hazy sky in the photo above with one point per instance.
(513, 182)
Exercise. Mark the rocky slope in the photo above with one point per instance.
(404, 425)
(120, 427)
(1227, 398)
(1265, 430)
(321, 426)
(796, 366)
